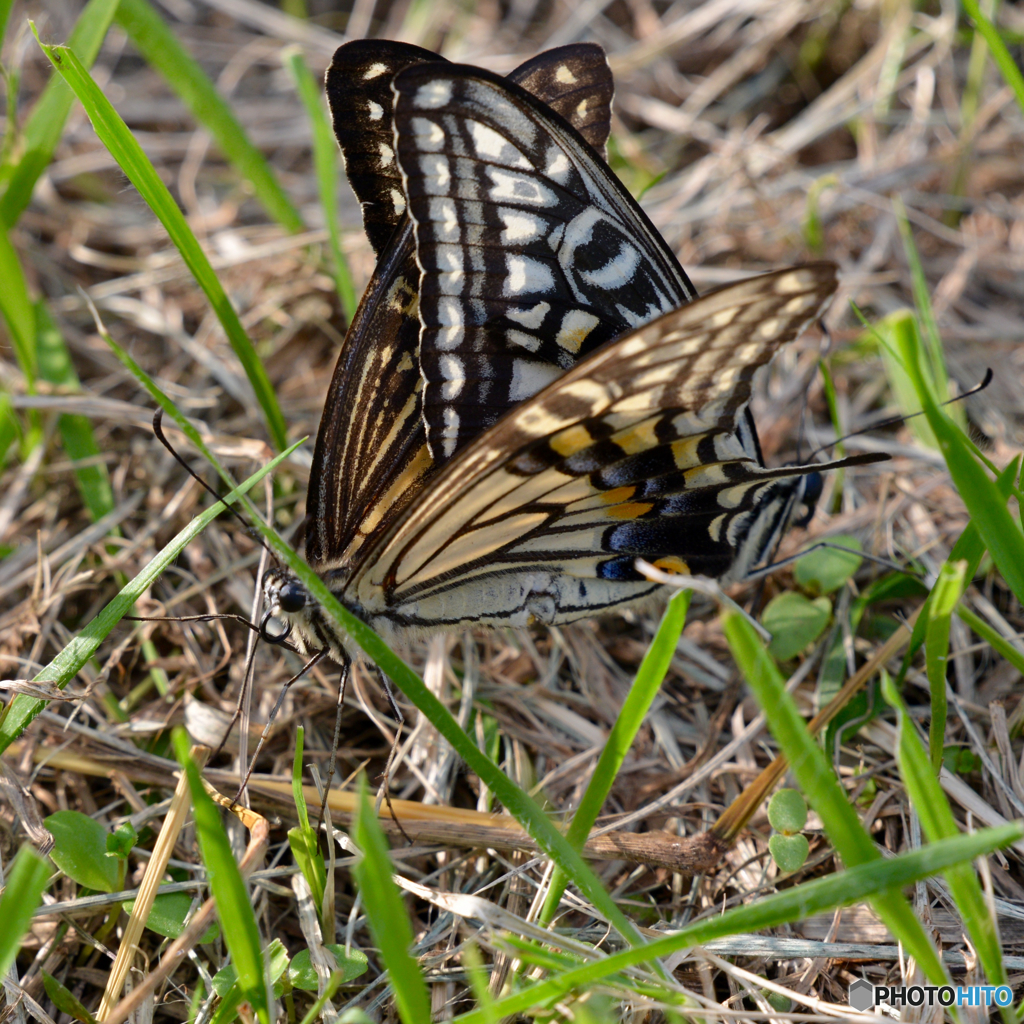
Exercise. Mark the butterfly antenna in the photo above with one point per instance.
(158, 430)
(895, 421)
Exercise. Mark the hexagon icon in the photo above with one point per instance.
(862, 995)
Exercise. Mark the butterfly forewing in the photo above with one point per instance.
(641, 450)
(574, 80)
(371, 455)
(358, 87)
(532, 254)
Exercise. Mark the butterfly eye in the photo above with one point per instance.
(291, 597)
(813, 485)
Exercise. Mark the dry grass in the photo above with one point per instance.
(743, 108)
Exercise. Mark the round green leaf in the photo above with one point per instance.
(80, 850)
(168, 913)
(794, 622)
(787, 811)
(789, 852)
(824, 570)
(302, 975)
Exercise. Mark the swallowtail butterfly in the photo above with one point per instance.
(578, 414)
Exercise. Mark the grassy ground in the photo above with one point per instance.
(883, 137)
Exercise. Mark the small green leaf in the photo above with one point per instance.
(64, 1000)
(227, 977)
(794, 622)
(787, 811)
(121, 840)
(80, 850)
(302, 974)
(168, 916)
(825, 569)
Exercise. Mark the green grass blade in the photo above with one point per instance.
(998, 529)
(938, 374)
(994, 639)
(234, 908)
(82, 647)
(821, 788)
(18, 312)
(389, 921)
(947, 590)
(23, 892)
(45, 124)
(114, 134)
(5, 13)
(325, 162)
(969, 547)
(1000, 54)
(854, 885)
(937, 820)
(76, 431)
(646, 685)
(161, 49)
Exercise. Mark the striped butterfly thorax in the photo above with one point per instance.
(371, 452)
(641, 450)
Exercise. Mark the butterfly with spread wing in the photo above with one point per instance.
(578, 415)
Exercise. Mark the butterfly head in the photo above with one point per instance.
(285, 598)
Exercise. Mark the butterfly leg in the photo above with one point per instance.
(385, 786)
(316, 659)
(347, 664)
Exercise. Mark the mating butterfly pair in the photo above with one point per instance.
(528, 399)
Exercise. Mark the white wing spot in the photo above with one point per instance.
(387, 155)
(615, 273)
(528, 341)
(445, 218)
(432, 95)
(519, 226)
(526, 275)
(450, 432)
(375, 109)
(532, 317)
(375, 71)
(520, 188)
(558, 164)
(529, 377)
(436, 174)
(399, 201)
(454, 377)
(576, 325)
(428, 135)
(564, 75)
(491, 145)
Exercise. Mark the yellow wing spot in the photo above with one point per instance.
(630, 510)
(572, 440)
(641, 438)
(405, 363)
(617, 495)
(564, 75)
(573, 331)
(673, 564)
(684, 452)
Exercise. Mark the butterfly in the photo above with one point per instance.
(578, 409)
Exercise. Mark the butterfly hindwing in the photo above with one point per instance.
(531, 252)
(641, 450)
(371, 454)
